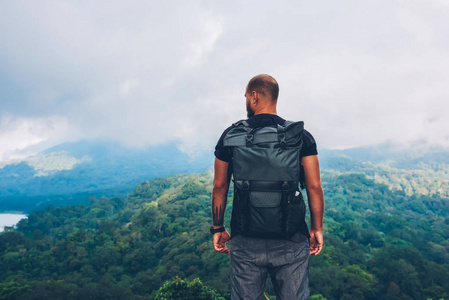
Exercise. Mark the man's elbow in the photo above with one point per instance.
(315, 188)
(220, 188)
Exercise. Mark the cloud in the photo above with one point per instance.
(128, 85)
(208, 31)
(18, 134)
(146, 73)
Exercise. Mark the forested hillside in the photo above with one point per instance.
(379, 244)
(69, 173)
(413, 171)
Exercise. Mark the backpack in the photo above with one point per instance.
(266, 166)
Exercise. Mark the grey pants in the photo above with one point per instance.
(286, 261)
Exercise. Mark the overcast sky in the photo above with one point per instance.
(148, 72)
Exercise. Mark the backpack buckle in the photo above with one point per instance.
(249, 139)
(281, 137)
(285, 186)
(282, 142)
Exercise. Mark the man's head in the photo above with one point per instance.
(261, 95)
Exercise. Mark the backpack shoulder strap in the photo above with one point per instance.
(287, 122)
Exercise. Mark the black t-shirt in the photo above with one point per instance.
(264, 120)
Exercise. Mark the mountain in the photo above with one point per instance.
(406, 157)
(71, 172)
(408, 169)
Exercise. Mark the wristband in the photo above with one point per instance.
(214, 231)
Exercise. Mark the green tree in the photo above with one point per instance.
(179, 289)
(317, 297)
(13, 289)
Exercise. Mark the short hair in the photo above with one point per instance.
(264, 84)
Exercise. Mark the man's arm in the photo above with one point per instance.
(316, 202)
(219, 200)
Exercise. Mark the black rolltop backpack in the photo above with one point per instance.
(266, 166)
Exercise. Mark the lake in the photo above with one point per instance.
(10, 220)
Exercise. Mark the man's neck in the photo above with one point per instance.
(269, 111)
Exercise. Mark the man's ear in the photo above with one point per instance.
(256, 97)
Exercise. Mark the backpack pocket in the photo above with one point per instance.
(295, 215)
(240, 212)
(265, 213)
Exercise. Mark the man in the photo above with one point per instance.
(253, 256)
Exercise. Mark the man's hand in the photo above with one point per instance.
(219, 198)
(316, 242)
(220, 239)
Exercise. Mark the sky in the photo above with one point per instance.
(358, 73)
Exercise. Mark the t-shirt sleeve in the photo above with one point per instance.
(221, 152)
(309, 147)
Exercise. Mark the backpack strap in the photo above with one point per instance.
(302, 177)
(240, 123)
(286, 123)
(249, 131)
(281, 134)
(281, 137)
